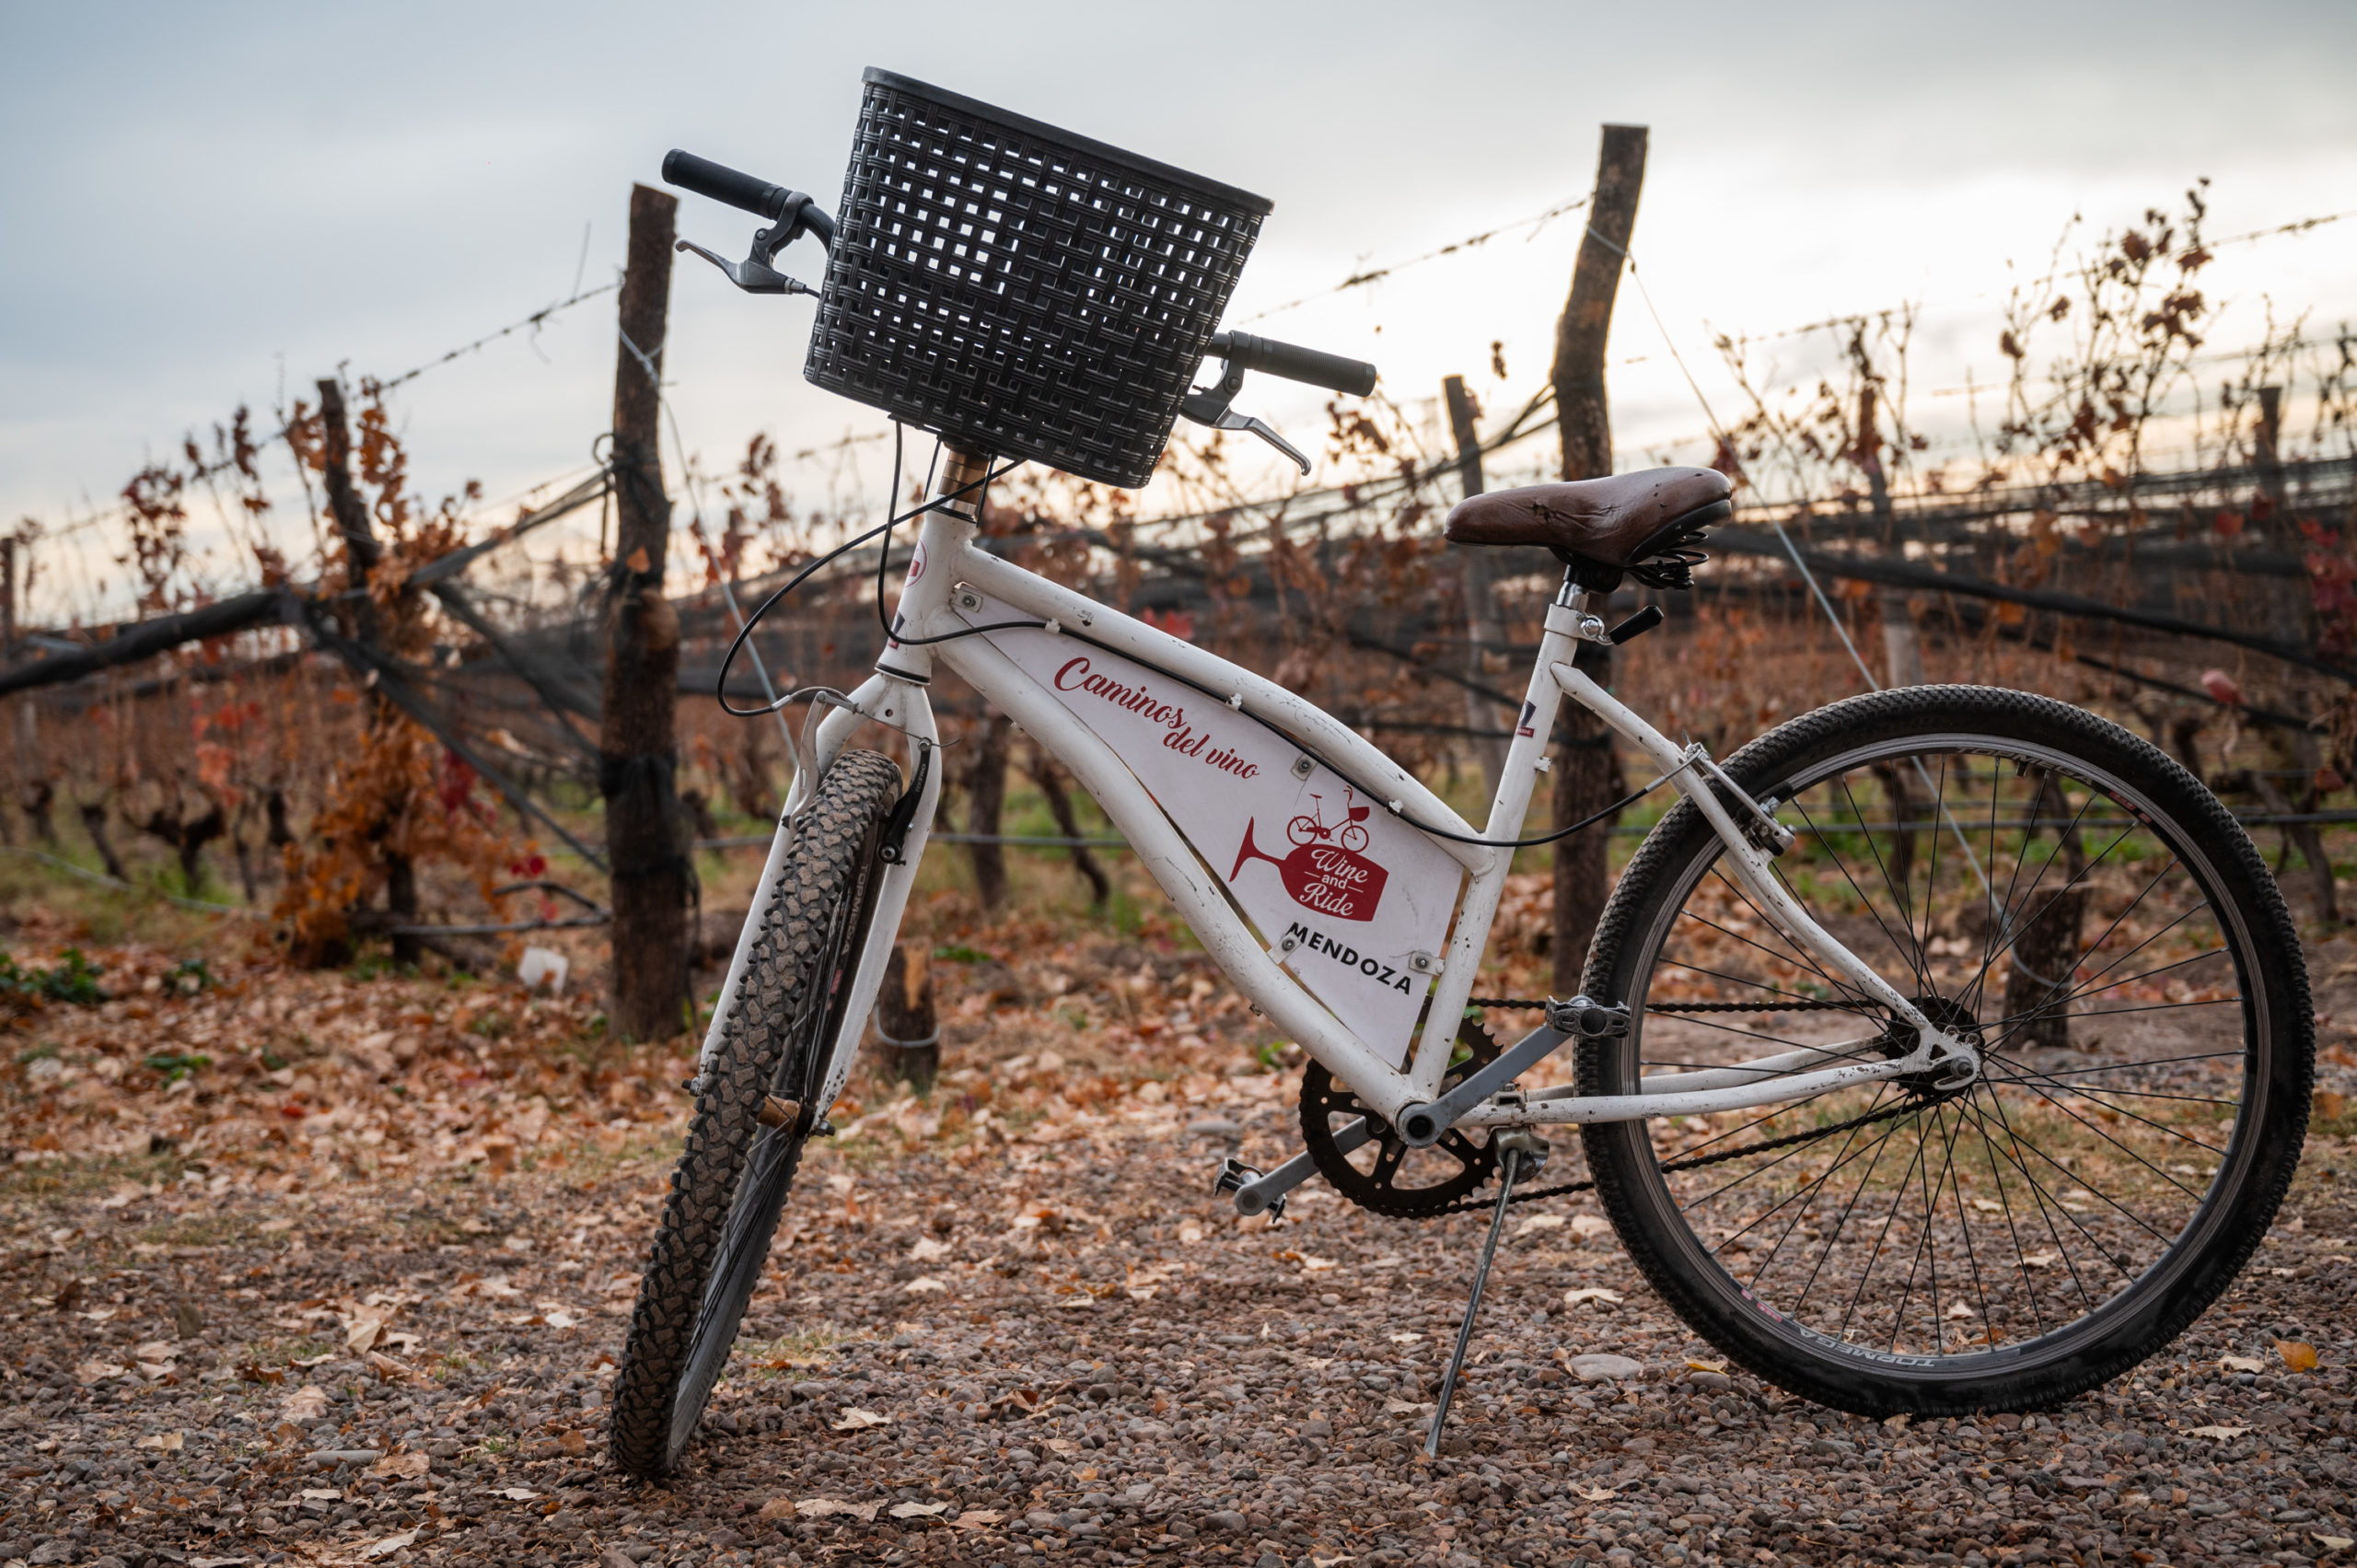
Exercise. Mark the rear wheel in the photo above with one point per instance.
(756, 1103)
(2057, 891)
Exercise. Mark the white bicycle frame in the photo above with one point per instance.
(895, 697)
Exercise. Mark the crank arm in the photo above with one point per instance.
(1266, 1193)
(1421, 1126)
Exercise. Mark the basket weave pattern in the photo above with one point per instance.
(1023, 296)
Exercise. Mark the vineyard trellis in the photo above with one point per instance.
(2216, 595)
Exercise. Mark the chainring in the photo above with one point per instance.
(1400, 1182)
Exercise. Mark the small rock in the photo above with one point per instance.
(1226, 1520)
(1317, 1426)
(50, 1552)
(1214, 1127)
(109, 1561)
(725, 1538)
(615, 1557)
(1604, 1368)
(327, 1458)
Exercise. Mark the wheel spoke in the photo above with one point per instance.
(2060, 1179)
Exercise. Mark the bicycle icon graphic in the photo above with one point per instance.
(1311, 828)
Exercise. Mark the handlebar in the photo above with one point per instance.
(743, 190)
(1245, 352)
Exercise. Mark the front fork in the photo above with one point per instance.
(896, 698)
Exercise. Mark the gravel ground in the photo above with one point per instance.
(978, 1350)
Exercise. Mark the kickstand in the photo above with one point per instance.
(1521, 1153)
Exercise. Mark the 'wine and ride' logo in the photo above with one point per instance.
(1325, 871)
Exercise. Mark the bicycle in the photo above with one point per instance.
(1311, 826)
(1941, 1050)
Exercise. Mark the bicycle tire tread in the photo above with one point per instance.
(818, 868)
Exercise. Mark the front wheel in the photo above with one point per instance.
(756, 1104)
(2069, 900)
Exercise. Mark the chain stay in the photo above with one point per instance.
(1889, 1112)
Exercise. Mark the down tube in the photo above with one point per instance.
(1175, 869)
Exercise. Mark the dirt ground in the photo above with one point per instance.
(334, 1268)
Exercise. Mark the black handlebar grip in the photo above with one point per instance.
(722, 184)
(1294, 363)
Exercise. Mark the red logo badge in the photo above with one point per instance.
(1324, 872)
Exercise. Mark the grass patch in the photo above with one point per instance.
(73, 978)
(200, 1230)
(77, 1179)
(791, 1354)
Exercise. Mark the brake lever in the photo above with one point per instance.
(754, 274)
(1209, 406)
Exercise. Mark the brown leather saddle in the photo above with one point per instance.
(1646, 525)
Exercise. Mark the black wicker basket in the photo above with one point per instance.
(1022, 291)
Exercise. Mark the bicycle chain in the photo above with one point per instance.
(1804, 1005)
(1471, 1205)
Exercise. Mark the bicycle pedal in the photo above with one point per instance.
(1234, 1173)
(1584, 1020)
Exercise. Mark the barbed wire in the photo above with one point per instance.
(1375, 274)
(207, 471)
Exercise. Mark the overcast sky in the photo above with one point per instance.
(207, 203)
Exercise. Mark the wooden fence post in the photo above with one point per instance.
(637, 740)
(1483, 633)
(906, 1019)
(1587, 773)
(1902, 647)
(985, 804)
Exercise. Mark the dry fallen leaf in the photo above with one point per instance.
(2242, 1364)
(2223, 1434)
(307, 1403)
(918, 1510)
(2298, 1354)
(405, 1466)
(827, 1507)
(1592, 1293)
(390, 1544)
(976, 1519)
(2335, 1543)
(1600, 1495)
(169, 1442)
(855, 1418)
(776, 1508)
